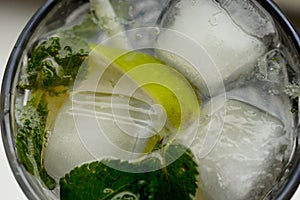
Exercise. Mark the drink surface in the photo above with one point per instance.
(233, 58)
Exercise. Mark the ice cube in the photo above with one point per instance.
(215, 36)
(88, 129)
(272, 67)
(64, 150)
(96, 123)
(249, 154)
(252, 18)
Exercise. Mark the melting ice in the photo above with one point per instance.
(214, 34)
(251, 147)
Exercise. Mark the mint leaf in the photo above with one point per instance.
(32, 137)
(179, 179)
(54, 63)
(103, 180)
(51, 70)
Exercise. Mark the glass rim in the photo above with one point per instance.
(6, 99)
(288, 189)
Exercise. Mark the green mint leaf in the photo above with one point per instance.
(32, 137)
(54, 63)
(51, 70)
(104, 180)
(180, 175)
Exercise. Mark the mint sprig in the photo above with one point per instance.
(51, 70)
(109, 179)
(32, 137)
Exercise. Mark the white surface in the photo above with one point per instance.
(14, 14)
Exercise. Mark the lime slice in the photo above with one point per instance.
(128, 102)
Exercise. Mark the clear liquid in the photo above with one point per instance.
(248, 158)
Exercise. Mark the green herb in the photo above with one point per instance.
(51, 70)
(31, 138)
(88, 29)
(109, 179)
(54, 64)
